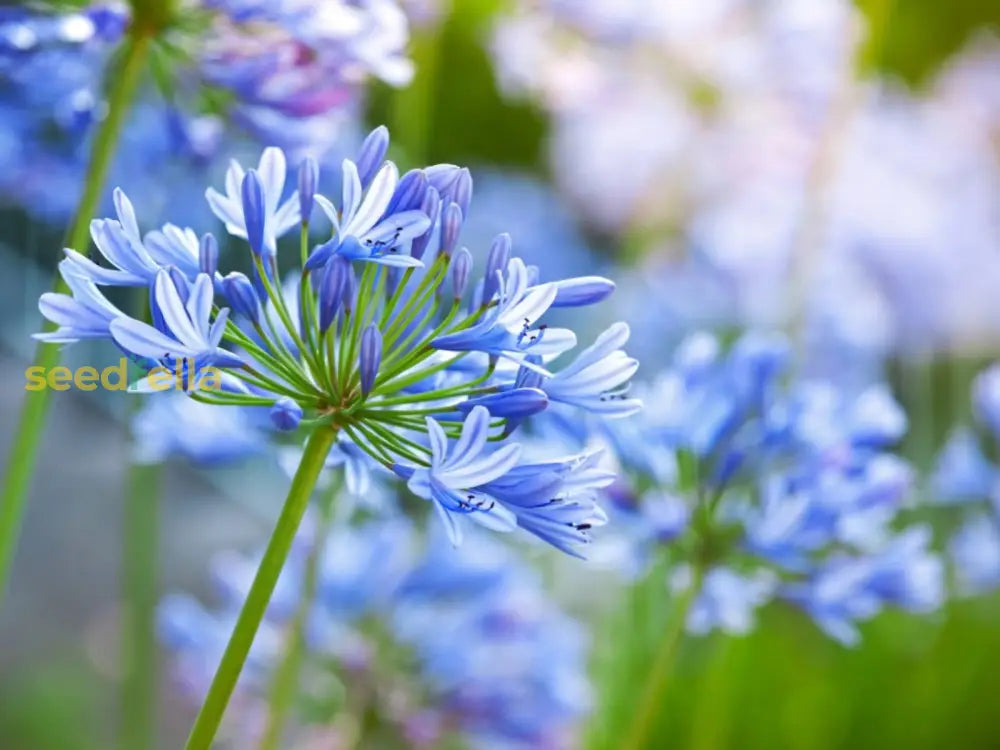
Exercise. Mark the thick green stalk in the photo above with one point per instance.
(637, 736)
(140, 552)
(286, 677)
(28, 433)
(221, 689)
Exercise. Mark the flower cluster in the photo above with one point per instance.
(775, 164)
(441, 644)
(287, 73)
(175, 426)
(772, 490)
(966, 478)
(386, 335)
(295, 67)
(50, 96)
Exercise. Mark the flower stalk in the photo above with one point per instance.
(286, 676)
(637, 736)
(210, 716)
(28, 433)
(139, 572)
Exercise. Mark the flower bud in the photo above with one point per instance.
(517, 403)
(370, 357)
(208, 254)
(451, 225)
(286, 414)
(331, 291)
(308, 179)
(496, 262)
(463, 191)
(253, 211)
(180, 283)
(371, 155)
(242, 296)
(461, 267)
(409, 193)
(582, 291)
(431, 206)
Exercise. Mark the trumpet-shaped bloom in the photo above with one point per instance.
(187, 332)
(595, 381)
(555, 500)
(507, 329)
(367, 228)
(85, 314)
(276, 217)
(456, 470)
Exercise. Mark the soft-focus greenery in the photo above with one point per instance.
(914, 37)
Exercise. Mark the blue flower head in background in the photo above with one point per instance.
(438, 645)
(421, 376)
(231, 76)
(968, 478)
(768, 487)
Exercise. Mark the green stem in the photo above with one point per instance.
(286, 676)
(221, 689)
(140, 553)
(28, 433)
(637, 735)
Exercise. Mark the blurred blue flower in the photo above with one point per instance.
(967, 483)
(290, 74)
(782, 487)
(466, 641)
(174, 426)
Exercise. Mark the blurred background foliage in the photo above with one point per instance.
(913, 38)
(928, 683)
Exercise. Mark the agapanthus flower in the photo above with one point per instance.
(467, 646)
(966, 482)
(287, 73)
(746, 98)
(175, 426)
(778, 489)
(368, 340)
(279, 215)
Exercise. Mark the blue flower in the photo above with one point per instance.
(506, 330)
(85, 314)
(789, 483)
(452, 611)
(277, 216)
(595, 380)
(187, 333)
(986, 398)
(975, 550)
(454, 472)
(365, 230)
(555, 500)
(848, 590)
(120, 243)
(387, 356)
(177, 426)
(728, 601)
(963, 473)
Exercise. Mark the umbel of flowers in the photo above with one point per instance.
(770, 487)
(387, 335)
(230, 75)
(381, 667)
